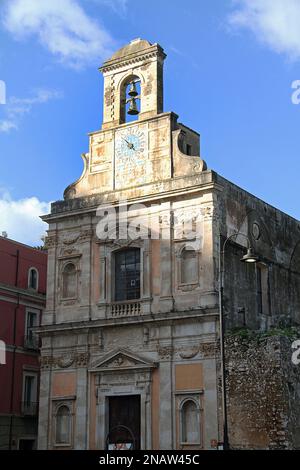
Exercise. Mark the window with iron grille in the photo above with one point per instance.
(127, 274)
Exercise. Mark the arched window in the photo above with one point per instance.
(190, 422)
(63, 425)
(69, 281)
(127, 274)
(33, 279)
(189, 268)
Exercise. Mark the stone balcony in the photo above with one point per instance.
(129, 308)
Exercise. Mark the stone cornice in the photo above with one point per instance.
(154, 51)
(23, 292)
(128, 125)
(203, 314)
(170, 188)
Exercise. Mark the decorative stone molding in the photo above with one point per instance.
(68, 255)
(80, 359)
(69, 252)
(133, 61)
(71, 239)
(207, 212)
(51, 241)
(205, 350)
(121, 243)
(122, 360)
(208, 350)
(256, 232)
(65, 361)
(86, 235)
(46, 362)
(165, 352)
(189, 353)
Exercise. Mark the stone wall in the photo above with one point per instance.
(263, 390)
(275, 238)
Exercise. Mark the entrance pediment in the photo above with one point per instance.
(122, 360)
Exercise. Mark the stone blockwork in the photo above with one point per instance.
(263, 389)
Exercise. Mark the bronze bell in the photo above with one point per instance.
(133, 91)
(132, 110)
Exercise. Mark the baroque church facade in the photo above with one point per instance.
(131, 332)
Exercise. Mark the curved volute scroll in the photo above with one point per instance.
(70, 192)
(184, 164)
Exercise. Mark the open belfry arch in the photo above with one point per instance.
(141, 61)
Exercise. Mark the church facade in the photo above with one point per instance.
(130, 352)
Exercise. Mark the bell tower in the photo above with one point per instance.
(139, 143)
(138, 62)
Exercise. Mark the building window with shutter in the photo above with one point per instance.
(32, 321)
(33, 279)
(29, 401)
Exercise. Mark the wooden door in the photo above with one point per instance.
(124, 421)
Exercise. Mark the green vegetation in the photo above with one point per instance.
(246, 333)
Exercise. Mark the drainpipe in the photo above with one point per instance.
(12, 387)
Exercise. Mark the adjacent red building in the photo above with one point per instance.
(23, 271)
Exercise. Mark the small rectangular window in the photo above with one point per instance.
(262, 289)
(259, 290)
(28, 389)
(29, 402)
(31, 339)
(188, 149)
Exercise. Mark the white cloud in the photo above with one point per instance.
(275, 23)
(20, 219)
(17, 107)
(7, 126)
(62, 27)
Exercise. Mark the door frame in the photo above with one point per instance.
(102, 421)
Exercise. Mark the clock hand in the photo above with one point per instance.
(129, 144)
(125, 140)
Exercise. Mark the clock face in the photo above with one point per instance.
(131, 156)
(130, 142)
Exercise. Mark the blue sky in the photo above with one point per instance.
(228, 74)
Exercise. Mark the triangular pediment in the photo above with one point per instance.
(122, 359)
